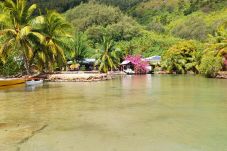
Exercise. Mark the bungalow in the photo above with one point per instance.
(128, 67)
(135, 65)
(154, 60)
(86, 64)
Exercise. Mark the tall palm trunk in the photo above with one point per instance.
(27, 64)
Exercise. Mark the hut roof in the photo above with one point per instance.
(125, 62)
(153, 58)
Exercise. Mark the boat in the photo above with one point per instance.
(13, 81)
(32, 82)
(129, 71)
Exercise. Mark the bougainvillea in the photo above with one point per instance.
(140, 66)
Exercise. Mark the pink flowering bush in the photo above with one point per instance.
(140, 66)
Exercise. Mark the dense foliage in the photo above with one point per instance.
(182, 57)
(59, 5)
(37, 40)
(11, 66)
(148, 44)
(211, 64)
(99, 20)
(211, 61)
(110, 30)
(107, 56)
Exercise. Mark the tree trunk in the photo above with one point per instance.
(27, 66)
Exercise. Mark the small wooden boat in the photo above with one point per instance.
(13, 81)
(129, 71)
(32, 82)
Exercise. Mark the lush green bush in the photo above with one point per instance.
(211, 64)
(182, 57)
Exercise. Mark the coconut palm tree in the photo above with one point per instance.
(16, 32)
(57, 40)
(80, 44)
(107, 55)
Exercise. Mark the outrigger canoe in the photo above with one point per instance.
(13, 81)
(129, 71)
(32, 82)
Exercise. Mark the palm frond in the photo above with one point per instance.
(30, 11)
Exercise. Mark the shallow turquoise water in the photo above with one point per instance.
(132, 113)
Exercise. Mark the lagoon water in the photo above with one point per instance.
(131, 113)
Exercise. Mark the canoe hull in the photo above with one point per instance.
(31, 83)
(9, 82)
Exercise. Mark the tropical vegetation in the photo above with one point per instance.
(182, 57)
(190, 35)
(107, 56)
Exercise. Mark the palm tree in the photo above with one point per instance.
(57, 39)
(107, 55)
(80, 50)
(16, 32)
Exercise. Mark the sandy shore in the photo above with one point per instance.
(78, 77)
(222, 75)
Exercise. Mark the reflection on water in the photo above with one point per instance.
(33, 87)
(132, 113)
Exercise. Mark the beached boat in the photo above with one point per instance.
(13, 81)
(34, 82)
(129, 71)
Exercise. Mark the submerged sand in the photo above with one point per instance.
(81, 77)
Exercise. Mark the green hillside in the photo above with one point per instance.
(169, 28)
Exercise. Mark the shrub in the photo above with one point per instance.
(210, 65)
(212, 59)
(182, 57)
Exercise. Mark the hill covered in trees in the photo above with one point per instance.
(182, 31)
(142, 25)
(187, 6)
(187, 19)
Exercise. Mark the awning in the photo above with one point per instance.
(69, 62)
(125, 62)
(153, 58)
(88, 61)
